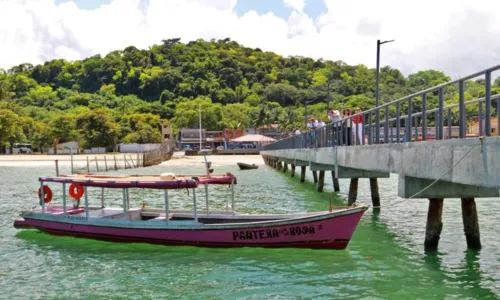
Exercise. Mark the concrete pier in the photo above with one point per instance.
(374, 192)
(434, 224)
(336, 186)
(315, 176)
(471, 223)
(321, 181)
(353, 191)
(302, 173)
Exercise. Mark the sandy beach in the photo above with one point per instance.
(80, 160)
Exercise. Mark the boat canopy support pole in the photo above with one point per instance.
(124, 199)
(166, 206)
(64, 197)
(232, 195)
(86, 203)
(42, 197)
(195, 208)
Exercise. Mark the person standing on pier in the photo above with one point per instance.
(358, 126)
(348, 124)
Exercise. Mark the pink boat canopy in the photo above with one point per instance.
(164, 181)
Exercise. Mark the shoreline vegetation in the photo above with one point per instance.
(123, 96)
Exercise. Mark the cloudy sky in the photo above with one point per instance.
(458, 37)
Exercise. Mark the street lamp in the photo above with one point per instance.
(377, 79)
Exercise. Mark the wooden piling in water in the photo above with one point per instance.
(434, 224)
(321, 181)
(353, 191)
(471, 223)
(374, 192)
(88, 165)
(105, 163)
(96, 164)
(292, 170)
(336, 186)
(285, 167)
(57, 167)
(315, 176)
(302, 174)
(116, 165)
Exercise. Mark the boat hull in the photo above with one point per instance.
(244, 166)
(323, 231)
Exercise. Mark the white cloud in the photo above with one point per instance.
(297, 5)
(457, 39)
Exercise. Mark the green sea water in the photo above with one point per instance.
(384, 260)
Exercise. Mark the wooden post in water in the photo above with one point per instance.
(315, 176)
(280, 166)
(88, 165)
(105, 163)
(57, 167)
(292, 170)
(96, 164)
(285, 167)
(471, 223)
(124, 161)
(434, 224)
(321, 181)
(137, 160)
(353, 191)
(374, 192)
(116, 165)
(72, 169)
(336, 186)
(302, 174)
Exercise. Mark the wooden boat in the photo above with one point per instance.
(244, 166)
(330, 229)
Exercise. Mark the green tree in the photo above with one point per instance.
(97, 129)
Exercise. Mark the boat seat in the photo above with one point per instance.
(162, 217)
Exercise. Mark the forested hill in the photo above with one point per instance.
(122, 96)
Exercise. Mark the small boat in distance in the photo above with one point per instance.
(244, 166)
(330, 229)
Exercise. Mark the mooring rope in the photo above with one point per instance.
(451, 168)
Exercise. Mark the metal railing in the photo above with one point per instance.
(348, 131)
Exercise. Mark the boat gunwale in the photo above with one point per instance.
(103, 222)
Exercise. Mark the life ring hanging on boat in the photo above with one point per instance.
(47, 194)
(79, 191)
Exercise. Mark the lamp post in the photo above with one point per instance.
(377, 79)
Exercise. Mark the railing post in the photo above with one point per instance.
(377, 126)
(409, 119)
(441, 114)
(398, 121)
(461, 104)
(424, 117)
(370, 128)
(480, 111)
(487, 104)
(436, 125)
(449, 123)
(386, 125)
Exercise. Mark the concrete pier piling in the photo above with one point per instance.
(315, 176)
(285, 167)
(321, 181)
(292, 167)
(353, 191)
(336, 186)
(434, 224)
(471, 223)
(302, 174)
(374, 192)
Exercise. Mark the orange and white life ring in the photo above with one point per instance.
(47, 194)
(76, 191)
